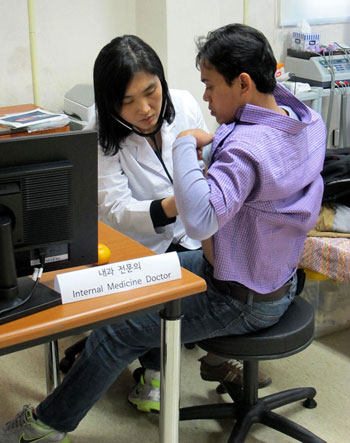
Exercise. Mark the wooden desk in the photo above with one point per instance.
(23, 108)
(65, 320)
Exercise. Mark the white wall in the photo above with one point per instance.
(15, 71)
(187, 20)
(171, 26)
(70, 33)
(264, 15)
(151, 26)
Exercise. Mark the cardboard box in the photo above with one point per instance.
(305, 42)
(331, 302)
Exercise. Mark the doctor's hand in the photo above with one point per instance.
(169, 207)
(203, 138)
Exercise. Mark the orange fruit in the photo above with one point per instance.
(103, 254)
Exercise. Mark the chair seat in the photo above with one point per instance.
(290, 335)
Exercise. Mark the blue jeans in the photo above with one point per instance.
(111, 348)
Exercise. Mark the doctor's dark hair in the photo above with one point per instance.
(114, 68)
(237, 48)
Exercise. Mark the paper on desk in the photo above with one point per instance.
(35, 120)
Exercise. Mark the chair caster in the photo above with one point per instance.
(310, 403)
(190, 345)
(220, 389)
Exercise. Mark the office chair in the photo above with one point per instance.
(293, 333)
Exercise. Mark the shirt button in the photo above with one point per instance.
(170, 190)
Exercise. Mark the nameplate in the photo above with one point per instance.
(117, 277)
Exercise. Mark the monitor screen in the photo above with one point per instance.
(48, 214)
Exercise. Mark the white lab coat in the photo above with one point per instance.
(130, 180)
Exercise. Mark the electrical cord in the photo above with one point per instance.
(345, 113)
(330, 68)
(36, 277)
(343, 88)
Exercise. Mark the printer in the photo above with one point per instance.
(79, 105)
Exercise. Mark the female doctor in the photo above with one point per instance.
(138, 119)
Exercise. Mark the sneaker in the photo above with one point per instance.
(146, 394)
(230, 371)
(25, 428)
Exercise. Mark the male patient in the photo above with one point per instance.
(263, 188)
(261, 196)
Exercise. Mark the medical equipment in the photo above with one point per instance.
(329, 72)
(316, 70)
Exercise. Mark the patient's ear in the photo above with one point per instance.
(245, 81)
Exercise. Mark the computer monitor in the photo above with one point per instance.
(48, 214)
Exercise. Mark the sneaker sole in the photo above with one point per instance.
(146, 406)
(265, 383)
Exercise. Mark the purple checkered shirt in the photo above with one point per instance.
(265, 186)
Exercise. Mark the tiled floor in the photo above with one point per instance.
(324, 365)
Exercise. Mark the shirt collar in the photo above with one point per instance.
(257, 115)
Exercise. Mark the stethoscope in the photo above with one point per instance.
(151, 135)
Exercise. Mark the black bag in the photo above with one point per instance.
(336, 176)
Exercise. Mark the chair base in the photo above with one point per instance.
(247, 410)
(246, 415)
(292, 334)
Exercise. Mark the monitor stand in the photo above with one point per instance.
(42, 298)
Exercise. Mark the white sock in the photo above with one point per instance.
(151, 374)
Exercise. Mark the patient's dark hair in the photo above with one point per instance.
(238, 48)
(114, 68)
